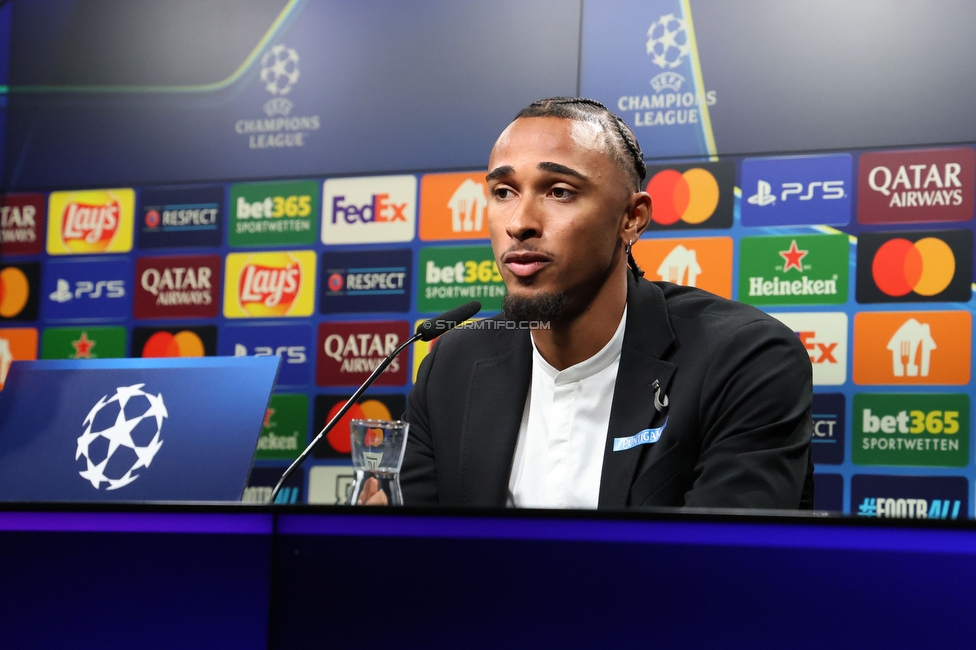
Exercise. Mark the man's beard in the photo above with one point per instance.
(547, 307)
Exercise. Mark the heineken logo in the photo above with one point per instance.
(801, 270)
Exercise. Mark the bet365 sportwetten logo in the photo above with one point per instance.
(273, 213)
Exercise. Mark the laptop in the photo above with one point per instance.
(167, 429)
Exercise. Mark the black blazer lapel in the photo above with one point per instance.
(497, 390)
(647, 337)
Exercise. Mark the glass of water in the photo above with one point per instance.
(377, 452)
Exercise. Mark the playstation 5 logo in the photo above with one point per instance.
(63, 293)
(763, 195)
(827, 190)
(791, 190)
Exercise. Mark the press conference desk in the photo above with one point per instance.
(234, 576)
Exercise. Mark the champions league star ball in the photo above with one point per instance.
(122, 435)
(667, 41)
(279, 69)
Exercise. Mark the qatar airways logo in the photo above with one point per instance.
(350, 351)
(177, 287)
(916, 186)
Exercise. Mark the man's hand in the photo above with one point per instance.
(372, 495)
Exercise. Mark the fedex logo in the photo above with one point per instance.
(379, 210)
(369, 210)
(797, 190)
(824, 337)
(820, 351)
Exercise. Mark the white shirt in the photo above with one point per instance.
(559, 455)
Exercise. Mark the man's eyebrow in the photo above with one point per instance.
(561, 169)
(498, 172)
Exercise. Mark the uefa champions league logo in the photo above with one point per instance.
(279, 72)
(122, 435)
(279, 69)
(667, 41)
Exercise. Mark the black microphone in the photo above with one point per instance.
(426, 331)
(431, 328)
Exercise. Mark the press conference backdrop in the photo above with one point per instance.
(306, 178)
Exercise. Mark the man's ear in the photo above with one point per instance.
(639, 215)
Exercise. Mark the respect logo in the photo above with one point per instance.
(796, 190)
(21, 223)
(912, 347)
(265, 214)
(824, 336)
(828, 429)
(916, 186)
(453, 206)
(177, 217)
(451, 276)
(366, 281)
(350, 351)
(704, 262)
(800, 270)
(182, 286)
(691, 196)
(916, 266)
(369, 210)
(266, 285)
(91, 221)
(912, 429)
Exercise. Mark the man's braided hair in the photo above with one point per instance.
(622, 145)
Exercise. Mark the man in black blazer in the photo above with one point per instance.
(711, 401)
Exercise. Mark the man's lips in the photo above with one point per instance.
(524, 263)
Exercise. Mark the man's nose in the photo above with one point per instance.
(526, 221)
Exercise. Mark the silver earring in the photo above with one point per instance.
(629, 246)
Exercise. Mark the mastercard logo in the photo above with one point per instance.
(370, 409)
(166, 344)
(14, 291)
(925, 267)
(690, 196)
(931, 266)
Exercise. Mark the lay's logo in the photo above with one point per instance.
(269, 285)
(96, 221)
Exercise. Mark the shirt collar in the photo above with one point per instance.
(585, 369)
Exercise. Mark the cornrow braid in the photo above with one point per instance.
(589, 110)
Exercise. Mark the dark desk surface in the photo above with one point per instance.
(232, 575)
